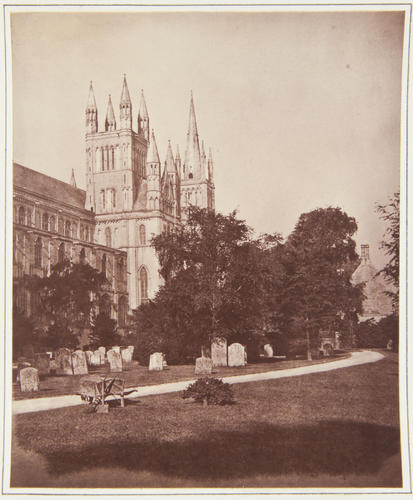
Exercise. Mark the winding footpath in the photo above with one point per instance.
(356, 358)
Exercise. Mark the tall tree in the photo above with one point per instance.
(390, 213)
(215, 282)
(319, 259)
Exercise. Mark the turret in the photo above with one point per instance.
(192, 164)
(110, 122)
(91, 113)
(125, 107)
(178, 161)
(203, 162)
(143, 119)
(72, 179)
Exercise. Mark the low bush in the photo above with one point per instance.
(209, 390)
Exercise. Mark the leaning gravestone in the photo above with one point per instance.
(156, 362)
(29, 380)
(42, 363)
(89, 355)
(203, 366)
(95, 358)
(126, 355)
(115, 361)
(219, 352)
(63, 358)
(236, 355)
(102, 351)
(79, 363)
(268, 350)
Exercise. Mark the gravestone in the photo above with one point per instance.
(268, 350)
(156, 361)
(219, 352)
(131, 348)
(126, 355)
(79, 363)
(42, 363)
(115, 361)
(164, 363)
(102, 351)
(89, 355)
(50, 354)
(236, 355)
(116, 348)
(203, 366)
(63, 358)
(389, 346)
(96, 358)
(29, 380)
(53, 367)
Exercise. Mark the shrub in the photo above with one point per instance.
(209, 390)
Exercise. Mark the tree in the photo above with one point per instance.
(23, 332)
(390, 213)
(319, 259)
(66, 302)
(215, 282)
(104, 331)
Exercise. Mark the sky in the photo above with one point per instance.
(301, 109)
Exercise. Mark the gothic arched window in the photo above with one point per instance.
(60, 224)
(38, 253)
(104, 264)
(142, 234)
(74, 230)
(52, 223)
(45, 222)
(108, 237)
(143, 282)
(61, 253)
(82, 256)
(21, 215)
(102, 199)
(68, 228)
(104, 305)
(113, 194)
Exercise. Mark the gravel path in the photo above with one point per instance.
(356, 358)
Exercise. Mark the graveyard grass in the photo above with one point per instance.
(332, 429)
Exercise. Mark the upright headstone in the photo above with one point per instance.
(219, 352)
(96, 358)
(116, 348)
(20, 366)
(63, 358)
(203, 366)
(29, 380)
(126, 355)
(102, 351)
(268, 350)
(53, 367)
(89, 355)
(79, 363)
(236, 355)
(156, 361)
(131, 348)
(42, 363)
(164, 362)
(115, 361)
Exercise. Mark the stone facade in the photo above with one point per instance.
(130, 196)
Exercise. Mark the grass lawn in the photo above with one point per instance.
(338, 428)
(136, 375)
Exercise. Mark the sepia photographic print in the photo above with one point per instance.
(205, 249)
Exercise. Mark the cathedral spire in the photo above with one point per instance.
(125, 106)
(91, 112)
(143, 118)
(72, 179)
(110, 122)
(210, 166)
(170, 165)
(153, 156)
(192, 164)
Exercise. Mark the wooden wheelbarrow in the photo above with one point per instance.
(98, 389)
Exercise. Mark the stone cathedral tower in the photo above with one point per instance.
(133, 195)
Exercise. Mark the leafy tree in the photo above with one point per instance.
(215, 284)
(66, 301)
(390, 213)
(23, 332)
(104, 331)
(319, 259)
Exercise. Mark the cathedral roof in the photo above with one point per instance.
(110, 115)
(46, 186)
(170, 165)
(125, 97)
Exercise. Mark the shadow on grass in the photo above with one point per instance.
(330, 447)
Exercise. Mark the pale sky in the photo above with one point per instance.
(301, 110)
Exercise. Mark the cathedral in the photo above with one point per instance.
(130, 197)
